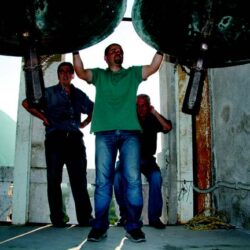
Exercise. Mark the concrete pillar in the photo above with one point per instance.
(22, 161)
(177, 146)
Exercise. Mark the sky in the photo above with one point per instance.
(10, 70)
(136, 52)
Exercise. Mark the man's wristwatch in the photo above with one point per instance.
(159, 53)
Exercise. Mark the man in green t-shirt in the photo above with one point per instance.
(117, 130)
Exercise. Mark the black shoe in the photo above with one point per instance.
(136, 235)
(62, 223)
(121, 222)
(85, 223)
(97, 234)
(157, 224)
(59, 224)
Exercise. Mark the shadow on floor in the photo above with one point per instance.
(36, 237)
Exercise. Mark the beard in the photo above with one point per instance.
(118, 59)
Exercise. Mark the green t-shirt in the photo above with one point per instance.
(115, 100)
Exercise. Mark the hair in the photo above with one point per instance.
(70, 65)
(106, 51)
(145, 97)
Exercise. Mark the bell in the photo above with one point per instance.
(216, 33)
(57, 27)
(31, 28)
(223, 25)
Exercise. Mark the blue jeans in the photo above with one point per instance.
(108, 144)
(152, 172)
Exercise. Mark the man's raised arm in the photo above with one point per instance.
(84, 74)
(148, 70)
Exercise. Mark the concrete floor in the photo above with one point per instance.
(36, 237)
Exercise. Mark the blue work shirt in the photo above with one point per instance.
(63, 111)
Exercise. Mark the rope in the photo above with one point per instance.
(203, 222)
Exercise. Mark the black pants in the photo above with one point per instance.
(69, 149)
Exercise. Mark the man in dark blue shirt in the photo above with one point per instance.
(151, 122)
(61, 115)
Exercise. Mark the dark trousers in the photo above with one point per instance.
(152, 172)
(69, 149)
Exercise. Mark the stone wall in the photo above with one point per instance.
(6, 193)
(230, 88)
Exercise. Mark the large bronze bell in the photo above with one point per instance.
(31, 28)
(223, 25)
(57, 27)
(199, 34)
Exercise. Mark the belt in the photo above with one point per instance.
(65, 133)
